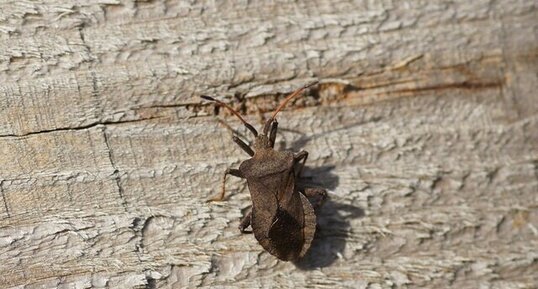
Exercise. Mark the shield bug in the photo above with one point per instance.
(282, 217)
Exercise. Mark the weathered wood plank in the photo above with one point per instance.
(424, 129)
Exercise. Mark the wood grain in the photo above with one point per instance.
(423, 128)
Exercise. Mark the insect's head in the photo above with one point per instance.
(261, 141)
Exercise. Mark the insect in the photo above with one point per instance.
(283, 219)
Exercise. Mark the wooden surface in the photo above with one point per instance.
(424, 129)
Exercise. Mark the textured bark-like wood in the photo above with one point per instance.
(424, 129)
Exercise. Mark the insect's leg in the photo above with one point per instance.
(300, 156)
(245, 222)
(233, 172)
(243, 145)
(272, 134)
(316, 195)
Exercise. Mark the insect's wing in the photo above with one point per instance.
(286, 231)
(309, 228)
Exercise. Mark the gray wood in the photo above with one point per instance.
(424, 129)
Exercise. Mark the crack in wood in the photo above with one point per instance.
(4, 198)
(459, 85)
(116, 173)
(82, 127)
(328, 93)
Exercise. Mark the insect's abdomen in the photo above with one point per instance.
(286, 236)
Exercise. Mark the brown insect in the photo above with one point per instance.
(282, 217)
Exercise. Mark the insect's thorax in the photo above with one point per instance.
(270, 177)
(266, 163)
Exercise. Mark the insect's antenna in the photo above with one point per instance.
(247, 125)
(283, 104)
